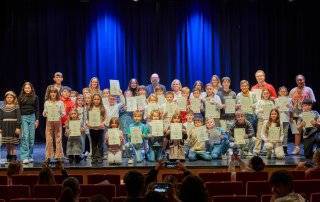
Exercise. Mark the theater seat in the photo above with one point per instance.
(46, 191)
(258, 188)
(30, 180)
(14, 191)
(33, 200)
(124, 199)
(315, 197)
(238, 198)
(3, 180)
(59, 179)
(306, 187)
(214, 177)
(313, 175)
(224, 188)
(97, 178)
(297, 174)
(178, 176)
(89, 190)
(266, 197)
(251, 176)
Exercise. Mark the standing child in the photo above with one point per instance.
(152, 105)
(263, 108)
(74, 131)
(87, 139)
(53, 110)
(73, 95)
(196, 103)
(10, 123)
(272, 135)
(125, 115)
(113, 110)
(158, 90)
(212, 104)
(136, 133)
(185, 93)
(176, 143)
(189, 125)
(79, 106)
(169, 108)
(96, 120)
(105, 97)
(114, 140)
(29, 107)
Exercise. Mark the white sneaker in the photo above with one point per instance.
(25, 161)
(130, 161)
(31, 160)
(296, 150)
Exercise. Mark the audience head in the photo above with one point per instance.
(70, 190)
(134, 182)
(98, 198)
(256, 163)
(46, 176)
(281, 183)
(153, 196)
(14, 168)
(192, 189)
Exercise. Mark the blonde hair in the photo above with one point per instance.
(15, 100)
(155, 112)
(152, 96)
(176, 81)
(185, 89)
(216, 77)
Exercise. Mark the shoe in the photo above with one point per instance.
(296, 150)
(30, 160)
(105, 157)
(130, 161)
(269, 155)
(25, 161)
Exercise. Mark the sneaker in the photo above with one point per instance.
(296, 150)
(30, 160)
(130, 161)
(25, 161)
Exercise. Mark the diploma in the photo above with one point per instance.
(170, 109)
(114, 87)
(53, 112)
(284, 117)
(156, 128)
(307, 117)
(113, 136)
(153, 106)
(94, 118)
(75, 128)
(195, 105)
(141, 101)
(176, 131)
(239, 134)
(283, 102)
(230, 106)
(131, 104)
(182, 103)
(274, 134)
(246, 104)
(202, 134)
(257, 93)
(161, 99)
(189, 126)
(212, 111)
(223, 124)
(266, 110)
(136, 135)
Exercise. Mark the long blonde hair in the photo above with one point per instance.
(15, 101)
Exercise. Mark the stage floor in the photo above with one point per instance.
(39, 156)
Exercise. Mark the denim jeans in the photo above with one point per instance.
(27, 137)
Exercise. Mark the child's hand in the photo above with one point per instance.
(101, 125)
(36, 123)
(45, 114)
(17, 131)
(313, 122)
(303, 124)
(238, 106)
(82, 129)
(223, 106)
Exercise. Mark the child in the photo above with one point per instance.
(158, 90)
(185, 92)
(212, 101)
(198, 145)
(114, 150)
(85, 91)
(113, 109)
(273, 141)
(152, 105)
(94, 86)
(196, 104)
(96, 120)
(169, 108)
(126, 116)
(79, 106)
(53, 110)
(73, 95)
(308, 125)
(297, 98)
(57, 78)
(10, 123)
(74, 146)
(142, 93)
(189, 125)
(155, 141)
(29, 107)
(263, 108)
(135, 143)
(245, 128)
(218, 143)
(282, 103)
(198, 85)
(88, 144)
(176, 146)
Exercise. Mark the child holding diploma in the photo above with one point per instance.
(218, 143)
(113, 109)
(169, 108)
(176, 134)
(152, 105)
(263, 108)
(196, 104)
(79, 106)
(136, 133)
(308, 125)
(242, 133)
(126, 115)
(183, 102)
(212, 104)
(96, 125)
(272, 135)
(87, 103)
(114, 139)
(155, 137)
(198, 142)
(53, 110)
(198, 85)
(74, 131)
(189, 125)
(158, 90)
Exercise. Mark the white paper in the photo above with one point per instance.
(113, 136)
(283, 102)
(176, 131)
(274, 134)
(266, 110)
(202, 134)
(141, 101)
(307, 117)
(136, 135)
(257, 93)
(53, 112)
(195, 105)
(94, 118)
(132, 104)
(230, 106)
(246, 104)
(114, 87)
(156, 128)
(182, 103)
(212, 110)
(75, 128)
(239, 134)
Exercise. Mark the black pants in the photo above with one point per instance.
(97, 144)
(309, 143)
(64, 141)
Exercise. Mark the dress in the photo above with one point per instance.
(10, 120)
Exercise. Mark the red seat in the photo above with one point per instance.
(122, 190)
(97, 178)
(315, 197)
(3, 180)
(251, 176)
(312, 175)
(46, 191)
(179, 176)
(33, 200)
(266, 197)
(30, 180)
(88, 190)
(124, 199)
(306, 187)
(297, 174)
(14, 191)
(83, 199)
(258, 188)
(214, 177)
(59, 179)
(238, 198)
(224, 188)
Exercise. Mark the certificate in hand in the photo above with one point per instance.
(153, 106)
(131, 104)
(223, 124)
(230, 106)
(257, 93)
(212, 110)
(136, 135)
(161, 99)
(156, 128)
(283, 102)
(246, 104)
(195, 105)
(141, 101)
(113, 136)
(53, 113)
(176, 131)
(274, 134)
(202, 134)
(182, 103)
(266, 110)
(75, 128)
(239, 134)
(94, 118)
(114, 87)
(307, 117)
(170, 108)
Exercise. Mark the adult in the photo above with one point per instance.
(216, 83)
(155, 81)
(297, 95)
(58, 79)
(176, 88)
(134, 183)
(70, 190)
(133, 86)
(94, 86)
(262, 84)
(46, 176)
(192, 189)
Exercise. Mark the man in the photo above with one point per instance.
(57, 78)
(154, 82)
(261, 83)
(306, 92)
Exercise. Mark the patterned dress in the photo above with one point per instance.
(10, 120)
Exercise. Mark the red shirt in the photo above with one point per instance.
(68, 106)
(270, 88)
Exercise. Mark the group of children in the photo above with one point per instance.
(175, 125)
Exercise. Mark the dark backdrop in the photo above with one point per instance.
(182, 39)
